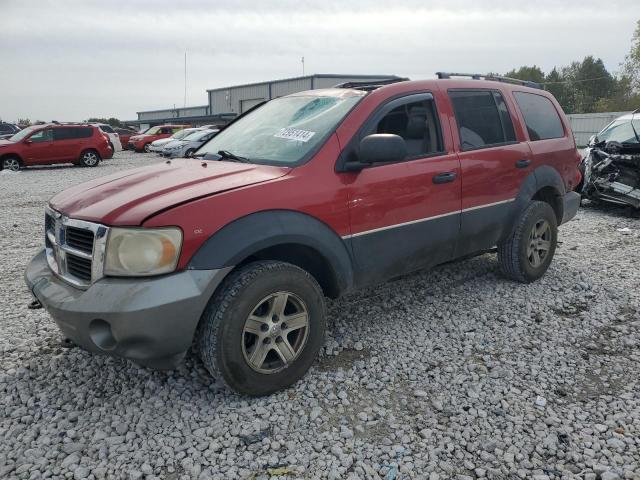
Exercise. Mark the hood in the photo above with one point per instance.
(162, 141)
(130, 197)
(173, 143)
(6, 143)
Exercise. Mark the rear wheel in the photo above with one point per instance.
(11, 163)
(526, 254)
(263, 327)
(89, 158)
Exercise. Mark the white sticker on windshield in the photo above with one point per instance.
(294, 134)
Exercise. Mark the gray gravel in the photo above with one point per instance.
(454, 373)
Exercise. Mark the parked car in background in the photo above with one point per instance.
(114, 137)
(142, 142)
(158, 145)
(8, 130)
(125, 134)
(46, 144)
(307, 196)
(186, 146)
(611, 165)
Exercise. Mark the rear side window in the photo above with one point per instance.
(482, 117)
(70, 133)
(540, 116)
(417, 123)
(106, 128)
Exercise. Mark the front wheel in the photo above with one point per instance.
(526, 254)
(147, 147)
(263, 328)
(89, 158)
(11, 163)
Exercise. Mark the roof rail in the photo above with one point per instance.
(489, 76)
(369, 85)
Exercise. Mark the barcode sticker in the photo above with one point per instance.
(294, 134)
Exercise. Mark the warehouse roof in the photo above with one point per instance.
(316, 75)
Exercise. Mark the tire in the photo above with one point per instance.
(89, 158)
(146, 147)
(516, 254)
(189, 153)
(230, 353)
(11, 163)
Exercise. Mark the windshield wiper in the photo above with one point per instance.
(227, 155)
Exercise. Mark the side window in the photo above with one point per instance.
(42, 136)
(82, 132)
(106, 128)
(540, 116)
(482, 117)
(417, 123)
(62, 133)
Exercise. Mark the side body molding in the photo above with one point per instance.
(246, 236)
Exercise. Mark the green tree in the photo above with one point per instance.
(631, 67)
(555, 83)
(531, 74)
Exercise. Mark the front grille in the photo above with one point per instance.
(79, 238)
(79, 267)
(74, 248)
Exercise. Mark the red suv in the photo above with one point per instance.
(309, 195)
(141, 141)
(48, 144)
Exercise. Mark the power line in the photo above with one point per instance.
(576, 81)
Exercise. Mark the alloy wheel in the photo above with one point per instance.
(90, 159)
(539, 243)
(275, 332)
(12, 164)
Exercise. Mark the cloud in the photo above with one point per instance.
(72, 60)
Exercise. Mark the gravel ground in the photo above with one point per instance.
(454, 373)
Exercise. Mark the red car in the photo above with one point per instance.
(140, 142)
(310, 195)
(125, 135)
(48, 144)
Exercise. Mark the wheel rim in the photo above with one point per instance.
(90, 158)
(275, 332)
(539, 243)
(12, 164)
(146, 148)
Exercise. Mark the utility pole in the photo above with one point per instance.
(185, 78)
(302, 66)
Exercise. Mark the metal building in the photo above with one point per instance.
(240, 98)
(228, 102)
(584, 125)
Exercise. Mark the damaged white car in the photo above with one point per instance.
(611, 166)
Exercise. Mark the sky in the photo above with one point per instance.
(70, 60)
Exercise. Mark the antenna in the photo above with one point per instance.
(302, 60)
(185, 78)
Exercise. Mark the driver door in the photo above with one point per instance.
(40, 147)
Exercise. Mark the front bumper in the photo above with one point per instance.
(151, 321)
(571, 203)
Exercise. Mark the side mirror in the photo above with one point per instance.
(382, 148)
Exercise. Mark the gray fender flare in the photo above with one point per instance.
(541, 177)
(246, 236)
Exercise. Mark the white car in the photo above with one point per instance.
(114, 138)
(157, 145)
(189, 144)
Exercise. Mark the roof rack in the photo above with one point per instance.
(369, 85)
(489, 76)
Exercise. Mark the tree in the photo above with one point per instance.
(555, 83)
(631, 67)
(588, 82)
(531, 74)
(114, 122)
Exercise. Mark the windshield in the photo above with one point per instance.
(181, 134)
(22, 133)
(620, 131)
(284, 130)
(152, 131)
(197, 135)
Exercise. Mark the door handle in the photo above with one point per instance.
(523, 163)
(445, 177)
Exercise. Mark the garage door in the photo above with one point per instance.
(247, 104)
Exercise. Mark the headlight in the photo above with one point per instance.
(142, 251)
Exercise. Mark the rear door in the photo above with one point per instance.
(405, 216)
(494, 158)
(66, 143)
(39, 147)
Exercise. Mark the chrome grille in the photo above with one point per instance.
(74, 248)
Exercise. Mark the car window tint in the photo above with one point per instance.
(5, 128)
(106, 128)
(540, 116)
(416, 123)
(42, 136)
(480, 122)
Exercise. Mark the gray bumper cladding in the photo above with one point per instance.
(149, 320)
(571, 201)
